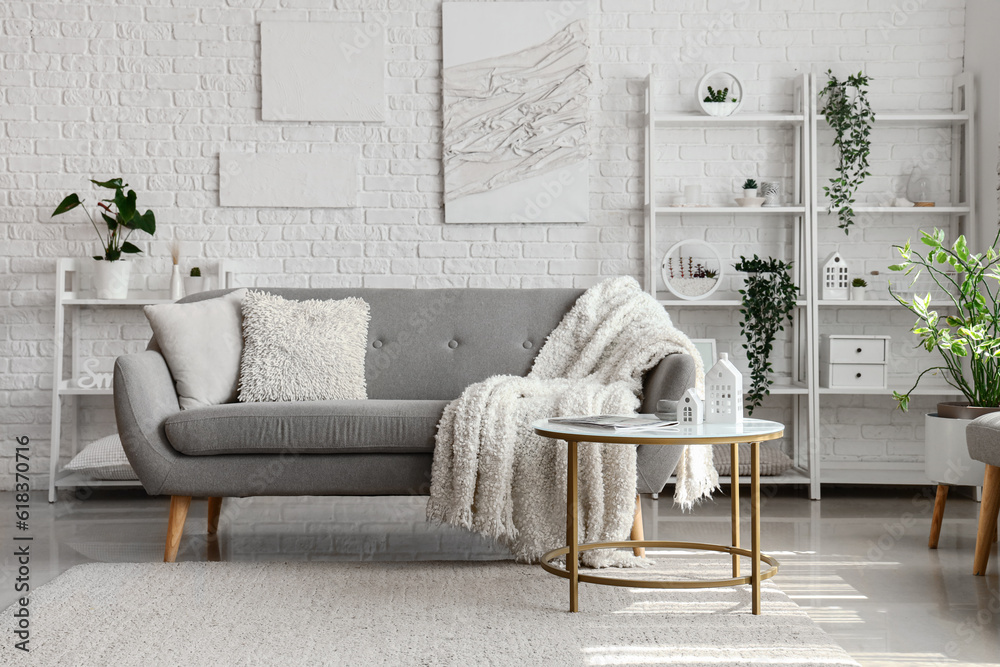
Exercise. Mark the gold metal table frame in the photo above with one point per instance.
(573, 549)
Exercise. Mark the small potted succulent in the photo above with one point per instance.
(719, 102)
(750, 188)
(195, 282)
(122, 218)
(858, 286)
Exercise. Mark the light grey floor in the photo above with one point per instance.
(857, 560)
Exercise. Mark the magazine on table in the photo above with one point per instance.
(615, 422)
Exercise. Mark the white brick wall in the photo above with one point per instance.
(154, 93)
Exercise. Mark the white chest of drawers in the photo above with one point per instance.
(853, 362)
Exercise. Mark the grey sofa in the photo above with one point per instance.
(425, 347)
(982, 437)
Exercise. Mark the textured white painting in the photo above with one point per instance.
(322, 71)
(289, 180)
(515, 86)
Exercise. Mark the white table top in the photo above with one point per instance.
(751, 430)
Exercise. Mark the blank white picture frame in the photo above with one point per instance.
(706, 348)
(289, 180)
(322, 71)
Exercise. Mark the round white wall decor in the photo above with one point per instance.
(691, 270)
(719, 79)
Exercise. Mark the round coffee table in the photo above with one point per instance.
(753, 431)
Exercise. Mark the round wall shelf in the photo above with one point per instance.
(691, 270)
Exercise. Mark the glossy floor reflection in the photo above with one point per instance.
(857, 560)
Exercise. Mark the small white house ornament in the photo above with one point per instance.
(835, 282)
(723, 393)
(690, 409)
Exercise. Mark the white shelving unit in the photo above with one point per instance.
(804, 122)
(960, 216)
(70, 299)
(795, 122)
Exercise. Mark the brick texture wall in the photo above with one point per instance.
(153, 91)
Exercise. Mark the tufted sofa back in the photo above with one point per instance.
(433, 343)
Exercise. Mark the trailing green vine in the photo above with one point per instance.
(851, 117)
(768, 299)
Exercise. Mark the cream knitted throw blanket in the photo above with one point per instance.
(493, 475)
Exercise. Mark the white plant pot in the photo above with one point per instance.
(857, 293)
(749, 192)
(195, 284)
(720, 108)
(946, 457)
(111, 279)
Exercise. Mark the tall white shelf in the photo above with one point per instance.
(71, 297)
(806, 214)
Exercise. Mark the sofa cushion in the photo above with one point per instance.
(315, 427)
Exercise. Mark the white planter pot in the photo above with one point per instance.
(750, 192)
(111, 279)
(193, 285)
(857, 293)
(946, 457)
(720, 108)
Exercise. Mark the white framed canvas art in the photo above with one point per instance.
(515, 100)
(706, 348)
(322, 71)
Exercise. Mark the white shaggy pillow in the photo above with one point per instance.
(303, 350)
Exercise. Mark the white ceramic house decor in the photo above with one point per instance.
(723, 393)
(322, 71)
(515, 88)
(835, 282)
(690, 409)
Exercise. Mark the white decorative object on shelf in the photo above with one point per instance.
(691, 270)
(691, 409)
(771, 192)
(111, 279)
(692, 195)
(857, 361)
(730, 81)
(94, 380)
(749, 202)
(723, 393)
(857, 292)
(835, 281)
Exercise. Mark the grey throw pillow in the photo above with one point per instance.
(303, 350)
(202, 343)
(104, 459)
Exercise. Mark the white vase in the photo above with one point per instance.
(946, 457)
(111, 279)
(176, 284)
(857, 293)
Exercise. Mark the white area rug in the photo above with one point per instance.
(442, 613)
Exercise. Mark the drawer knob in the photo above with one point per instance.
(858, 375)
(858, 350)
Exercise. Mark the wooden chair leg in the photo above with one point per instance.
(214, 509)
(988, 511)
(175, 526)
(637, 533)
(939, 502)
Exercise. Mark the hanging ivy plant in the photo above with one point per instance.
(847, 111)
(768, 299)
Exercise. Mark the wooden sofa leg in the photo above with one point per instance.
(637, 533)
(988, 511)
(175, 526)
(939, 502)
(214, 509)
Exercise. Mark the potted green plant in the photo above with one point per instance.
(195, 282)
(858, 286)
(122, 219)
(848, 113)
(750, 188)
(768, 300)
(967, 341)
(720, 102)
